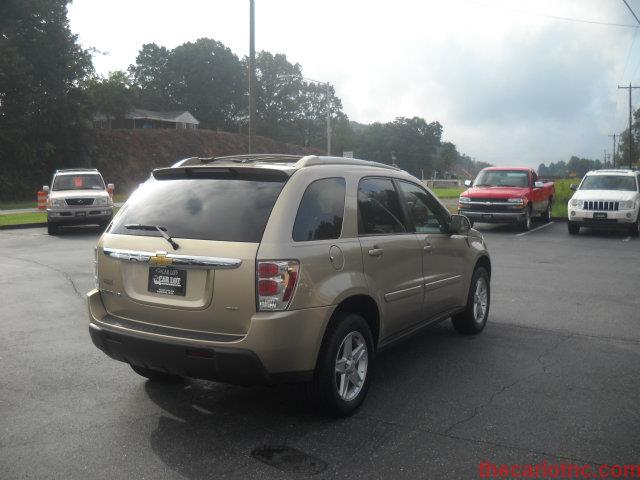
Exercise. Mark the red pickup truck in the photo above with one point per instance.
(507, 195)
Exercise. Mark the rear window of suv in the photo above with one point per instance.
(225, 209)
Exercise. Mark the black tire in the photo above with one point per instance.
(634, 229)
(466, 322)
(526, 221)
(546, 215)
(52, 228)
(323, 389)
(156, 375)
(573, 227)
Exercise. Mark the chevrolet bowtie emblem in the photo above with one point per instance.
(160, 259)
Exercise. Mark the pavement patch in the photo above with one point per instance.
(289, 459)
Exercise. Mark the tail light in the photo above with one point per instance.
(276, 282)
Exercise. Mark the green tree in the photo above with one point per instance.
(42, 113)
(207, 79)
(622, 156)
(112, 96)
(152, 77)
(411, 143)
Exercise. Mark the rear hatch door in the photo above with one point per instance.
(216, 218)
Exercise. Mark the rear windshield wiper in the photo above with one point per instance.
(162, 230)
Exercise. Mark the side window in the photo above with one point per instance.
(425, 215)
(321, 211)
(379, 208)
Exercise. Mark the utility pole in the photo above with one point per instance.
(630, 87)
(328, 100)
(252, 74)
(613, 158)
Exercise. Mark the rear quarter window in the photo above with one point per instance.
(321, 211)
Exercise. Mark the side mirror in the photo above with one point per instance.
(459, 225)
(573, 187)
(468, 183)
(538, 184)
(45, 188)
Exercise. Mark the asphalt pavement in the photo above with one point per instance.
(555, 376)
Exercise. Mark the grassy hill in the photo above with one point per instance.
(126, 157)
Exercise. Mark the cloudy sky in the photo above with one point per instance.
(509, 84)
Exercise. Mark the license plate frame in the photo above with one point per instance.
(600, 215)
(167, 281)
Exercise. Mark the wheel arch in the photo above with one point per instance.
(483, 261)
(363, 305)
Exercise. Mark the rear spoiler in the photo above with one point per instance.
(222, 172)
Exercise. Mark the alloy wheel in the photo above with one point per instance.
(480, 300)
(351, 366)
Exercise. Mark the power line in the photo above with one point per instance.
(555, 17)
(632, 12)
(626, 64)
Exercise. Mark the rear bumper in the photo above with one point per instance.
(493, 217)
(279, 346)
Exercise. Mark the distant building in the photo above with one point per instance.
(138, 118)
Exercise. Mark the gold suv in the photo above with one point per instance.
(261, 269)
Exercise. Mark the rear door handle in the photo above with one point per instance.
(376, 252)
(427, 247)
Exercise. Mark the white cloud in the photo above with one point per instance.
(508, 87)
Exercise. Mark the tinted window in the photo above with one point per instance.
(420, 207)
(321, 210)
(379, 208)
(227, 209)
(78, 182)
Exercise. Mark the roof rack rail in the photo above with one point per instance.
(76, 170)
(313, 160)
(298, 161)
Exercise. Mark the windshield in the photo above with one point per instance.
(609, 182)
(226, 209)
(78, 182)
(502, 178)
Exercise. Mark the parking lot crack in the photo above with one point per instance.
(478, 408)
(57, 270)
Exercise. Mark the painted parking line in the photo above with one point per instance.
(534, 230)
(626, 239)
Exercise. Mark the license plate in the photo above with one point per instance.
(81, 214)
(167, 281)
(600, 216)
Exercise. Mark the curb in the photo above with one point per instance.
(23, 225)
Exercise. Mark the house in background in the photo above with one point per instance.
(138, 118)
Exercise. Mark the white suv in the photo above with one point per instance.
(606, 199)
(78, 197)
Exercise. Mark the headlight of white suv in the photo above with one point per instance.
(627, 205)
(57, 202)
(575, 203)
(102, 201)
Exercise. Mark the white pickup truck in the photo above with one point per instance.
(606, 199)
